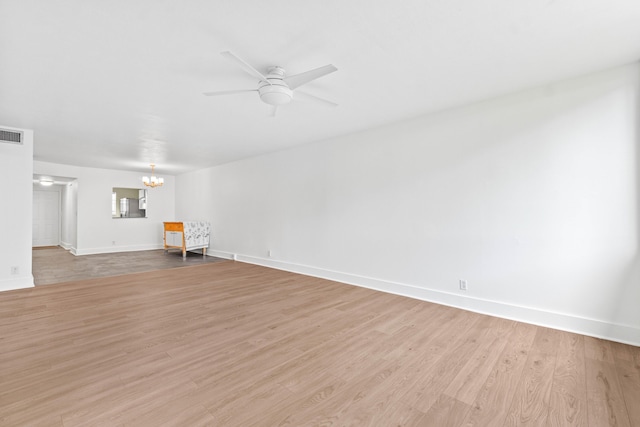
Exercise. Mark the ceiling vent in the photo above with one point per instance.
(11, 136)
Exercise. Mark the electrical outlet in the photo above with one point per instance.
(463, 285)
(15, 270)
(269, 254)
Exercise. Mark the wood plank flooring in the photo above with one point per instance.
(53, 264)
(232, 344)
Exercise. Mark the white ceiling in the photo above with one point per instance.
(118, 84)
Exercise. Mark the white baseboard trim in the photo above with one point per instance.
(113, 249)
(626, 334)
(65, 245)
(218, 254)
(17, 283)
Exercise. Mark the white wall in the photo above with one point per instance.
(96, 230)
(69, 216)
(532, 198)
(16, 176)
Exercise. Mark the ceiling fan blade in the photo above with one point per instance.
(308, 97)
(228, 92)
(245, 66)
(299, 79)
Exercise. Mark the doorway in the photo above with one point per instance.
(46, 218)
(55, 209)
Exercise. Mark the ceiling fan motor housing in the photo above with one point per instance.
(275, 91)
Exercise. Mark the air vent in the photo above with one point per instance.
(11, 136)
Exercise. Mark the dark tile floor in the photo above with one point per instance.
(56, 265)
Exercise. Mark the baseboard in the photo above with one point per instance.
(17, 283)
(65, 245)
(218, 254)
(113, 249)
(591, 327)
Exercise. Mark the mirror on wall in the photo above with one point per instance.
(128, 203)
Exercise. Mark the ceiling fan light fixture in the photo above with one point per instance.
(275, 94)
(276, 88)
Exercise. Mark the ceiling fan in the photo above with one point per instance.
(276, 88)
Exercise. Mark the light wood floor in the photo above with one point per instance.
(231, 344)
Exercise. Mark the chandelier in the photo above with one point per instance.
(154, 181)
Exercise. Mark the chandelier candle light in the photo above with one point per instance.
(154, 181)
